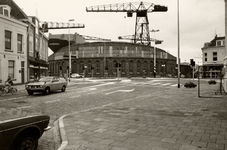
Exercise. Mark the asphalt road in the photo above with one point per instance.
(82, 96)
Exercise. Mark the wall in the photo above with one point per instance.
(16, 27)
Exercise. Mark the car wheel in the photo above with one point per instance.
(63, 89)
(30, 92)
(47, 90)
(26, 141)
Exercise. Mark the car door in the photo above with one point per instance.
(58, 84)
(53, 84)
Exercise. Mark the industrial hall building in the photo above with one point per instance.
(107, 58)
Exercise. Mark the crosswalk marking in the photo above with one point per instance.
(152, 83)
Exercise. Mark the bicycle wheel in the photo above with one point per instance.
(3, 91)
(13, 91)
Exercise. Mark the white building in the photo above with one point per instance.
(13, 46)
(213, 56)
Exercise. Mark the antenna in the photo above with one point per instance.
(36, 12)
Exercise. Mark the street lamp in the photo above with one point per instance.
(154, 52)
(69, 71)
(178, 37)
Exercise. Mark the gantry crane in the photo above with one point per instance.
(85, 37)
(45, 26)
(141, 9)
(142, 39)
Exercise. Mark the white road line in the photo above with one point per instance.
(52, 101)
(119, 91)
(166, 84)
(75, 96)
(111, 92)
(155, 83)
(10, 99)
(24, 107)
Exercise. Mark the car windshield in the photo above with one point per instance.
(45, 79)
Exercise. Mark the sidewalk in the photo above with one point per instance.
(178, 120)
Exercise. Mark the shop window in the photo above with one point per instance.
(19, 43)
(11, 68)
(8, 38)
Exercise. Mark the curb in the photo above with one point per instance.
(62, 133)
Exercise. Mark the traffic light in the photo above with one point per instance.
(192, 62)
(159, 8)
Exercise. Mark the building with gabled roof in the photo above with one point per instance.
(213, 53)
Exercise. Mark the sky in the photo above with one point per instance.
(199, 22)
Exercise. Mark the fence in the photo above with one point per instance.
(211, 87)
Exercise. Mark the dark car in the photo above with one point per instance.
(46, 85)
(20, 130)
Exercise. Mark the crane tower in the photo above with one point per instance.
(141, 9)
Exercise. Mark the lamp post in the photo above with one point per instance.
(69, 71)
(154, 52)
(178, 38)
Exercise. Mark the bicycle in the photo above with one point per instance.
(4, 90)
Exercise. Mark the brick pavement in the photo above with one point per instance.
(176, 120)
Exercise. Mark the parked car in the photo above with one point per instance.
(20, 130)
(46, 85)
(76, 75)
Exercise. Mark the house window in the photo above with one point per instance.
(215, 56)
(205, 56)
(8, 38)
(11, 68)
(19, 43)
(6, 12)
(1, 10)
(218, 43)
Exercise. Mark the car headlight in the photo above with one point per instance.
(40, 86)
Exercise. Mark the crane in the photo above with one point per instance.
(140, 8)
(45, 26)
(85, 37)
(134, 38)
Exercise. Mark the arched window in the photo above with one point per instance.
(81, 66)
(145, 66)
(131, 66)
(97, 66)
(122, 66)
(138, 66)
(89, 67)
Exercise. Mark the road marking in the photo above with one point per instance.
(166, 84)
(155, 83)
(120, 91)
(10, 99)
(24, 107)
(53, 101)
(75, 96)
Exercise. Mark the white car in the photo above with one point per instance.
(76, 75)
